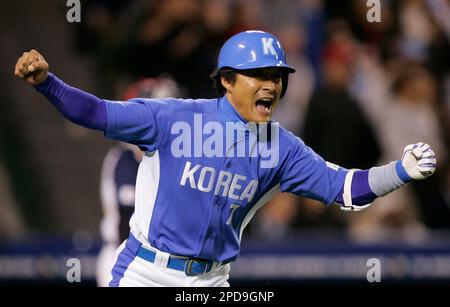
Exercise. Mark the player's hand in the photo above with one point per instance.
(419, 161)
(32, 67)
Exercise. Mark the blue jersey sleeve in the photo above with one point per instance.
(309, 175)
(79, 107)
(138, 121)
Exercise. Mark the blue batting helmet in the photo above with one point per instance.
(254, 49)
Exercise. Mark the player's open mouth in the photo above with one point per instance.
(264, 105)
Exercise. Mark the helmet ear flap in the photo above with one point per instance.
(284, 83)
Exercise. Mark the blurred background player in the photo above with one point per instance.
(118, 179)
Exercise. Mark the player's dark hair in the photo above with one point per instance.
(229, 74)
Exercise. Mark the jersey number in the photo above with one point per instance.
(233, 208)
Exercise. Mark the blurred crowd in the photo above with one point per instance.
(362, 90)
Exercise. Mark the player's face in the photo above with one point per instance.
(256, 93)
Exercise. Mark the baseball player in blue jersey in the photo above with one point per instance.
(210, 164)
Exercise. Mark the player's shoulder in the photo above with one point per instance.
(178, 104)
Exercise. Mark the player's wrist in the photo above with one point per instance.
(401, 172)
(42, 87)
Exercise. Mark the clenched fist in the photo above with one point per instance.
(32, 67)
(419, 161)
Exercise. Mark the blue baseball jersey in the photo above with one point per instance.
(194, 202)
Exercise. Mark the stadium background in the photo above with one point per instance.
(361, 92)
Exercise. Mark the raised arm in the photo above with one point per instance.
(79, 107)
(309, 175)
(133, 121)
(361, 187)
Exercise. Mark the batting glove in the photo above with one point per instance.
(419, 161)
